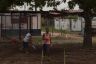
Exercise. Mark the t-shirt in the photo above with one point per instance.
(27, 37)
(47, 38)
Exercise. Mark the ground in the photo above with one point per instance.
(17, 56)
(67, 52)
(79, 55)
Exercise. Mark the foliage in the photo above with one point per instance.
(6, 4)
(86, 5)
(42, 3)
(71, 17)
(51, 3)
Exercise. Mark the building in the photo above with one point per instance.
(69, 24)
(73, 25)
(18, 23)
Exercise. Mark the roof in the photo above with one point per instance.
(52, 13)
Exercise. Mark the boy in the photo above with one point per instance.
(46, 41)
(26, 41)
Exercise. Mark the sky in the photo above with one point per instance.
(45, 8)
(61, 6)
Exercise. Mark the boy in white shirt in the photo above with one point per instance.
(26, 41)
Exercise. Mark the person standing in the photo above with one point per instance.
(26, 42)
(46, 41)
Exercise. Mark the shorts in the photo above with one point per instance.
(46, 47)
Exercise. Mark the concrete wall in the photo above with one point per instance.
(35, 20)
(61, 24)
(68, 24)
(35, 24)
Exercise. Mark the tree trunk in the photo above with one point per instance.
(87, 42)
(35, 6)
(70, 22)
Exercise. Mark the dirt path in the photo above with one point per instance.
(14, 56)
(74, 54)
(55, 56)
(79, 55)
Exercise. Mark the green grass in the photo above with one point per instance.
(56, 40)
(52, 29)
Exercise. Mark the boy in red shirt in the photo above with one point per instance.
(46, 41)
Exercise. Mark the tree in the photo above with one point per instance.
(53, 3)
(41, 3)
(37, 4)
(4, 4)
(88, 7)
(7, 4)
